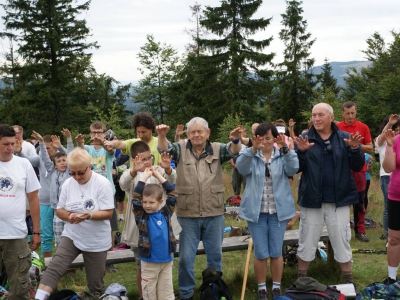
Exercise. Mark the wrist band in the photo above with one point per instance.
(236, 141)
(90, 217)
(38, 233)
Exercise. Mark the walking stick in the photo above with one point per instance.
(246, 268)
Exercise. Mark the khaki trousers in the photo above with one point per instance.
(157, 281)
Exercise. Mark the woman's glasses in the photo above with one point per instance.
(328, 146)
(79, 173)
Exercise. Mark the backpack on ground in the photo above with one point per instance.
(305, 288)
(213, 287)
(330, 293)
(379, 290)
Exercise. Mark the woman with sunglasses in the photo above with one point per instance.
(267, 202)
(86, 204)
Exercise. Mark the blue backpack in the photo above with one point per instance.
(379, 290)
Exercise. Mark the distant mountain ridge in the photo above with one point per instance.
(339, 69)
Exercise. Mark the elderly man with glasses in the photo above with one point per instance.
(327, 156)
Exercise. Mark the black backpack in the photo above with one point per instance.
(331, 293)
(213, 287)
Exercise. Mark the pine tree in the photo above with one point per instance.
(294, 79)
(327, 81)
(159, 65)
(243, 78)
(51, 40)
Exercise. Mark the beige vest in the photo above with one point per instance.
(199, 184)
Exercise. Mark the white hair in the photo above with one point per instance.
(327, 106)
(197, 121)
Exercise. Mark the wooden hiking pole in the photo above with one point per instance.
(246, 268)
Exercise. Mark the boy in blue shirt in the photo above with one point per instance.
(157, 243)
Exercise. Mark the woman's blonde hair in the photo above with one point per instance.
(79, 157)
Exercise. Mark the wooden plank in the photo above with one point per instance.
(228, 244)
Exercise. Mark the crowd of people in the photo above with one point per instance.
(176, 188)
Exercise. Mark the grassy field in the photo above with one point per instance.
(367, 267)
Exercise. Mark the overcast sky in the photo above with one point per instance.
(341, 28)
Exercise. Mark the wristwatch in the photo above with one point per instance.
(284, 150)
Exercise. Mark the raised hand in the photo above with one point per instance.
(97, 140)
(37, 136)
(18, 146)
(354, 141)
(147, 173)
(393, 119)
(291, 123)
(302, 143)
(280, 140)
(162, 129)
(165, 162)
(65, 132)
(137, 163)
(180, 129)
(55, 140)
(236, 133)
(256, 141)
(389, 137)
(80, 139)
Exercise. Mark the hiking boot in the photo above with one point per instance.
(276, 292)
(362, 237)
(389, 280)
(262, 295)
(111, 268)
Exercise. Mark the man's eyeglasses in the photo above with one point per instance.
(328, 146)
(96, 132)
(267, 173)
(79, 173)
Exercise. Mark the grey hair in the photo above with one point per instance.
(327, 106)
(197, 121)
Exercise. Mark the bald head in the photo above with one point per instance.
(322, 117)
(324, 106)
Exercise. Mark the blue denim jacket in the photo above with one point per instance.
(252, 166)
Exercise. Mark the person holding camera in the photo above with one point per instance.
(102, 163)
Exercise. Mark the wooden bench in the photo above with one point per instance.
(228, 244)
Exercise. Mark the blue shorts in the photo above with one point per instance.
(267, 235)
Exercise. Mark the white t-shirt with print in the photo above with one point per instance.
(90, 235)
(17, 178)
(382, 153)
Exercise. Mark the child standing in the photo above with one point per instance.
(141, 159)
(58, 172)
(157, 243)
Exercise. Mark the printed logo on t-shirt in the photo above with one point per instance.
(159, 223)
(88, 204)
(6, 184)
(99, 165)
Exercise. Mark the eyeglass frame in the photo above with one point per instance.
(78, 173)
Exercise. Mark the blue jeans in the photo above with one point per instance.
(46, 227)
(384, 187)
(211, 231)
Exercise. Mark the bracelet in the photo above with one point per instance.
(38, 233)
(90, 217)
(236, 141)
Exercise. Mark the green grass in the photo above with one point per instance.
(367, 268)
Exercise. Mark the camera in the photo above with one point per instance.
(110, 135)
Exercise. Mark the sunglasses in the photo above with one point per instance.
(267, 173)
(79, 173)
(328, 146)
